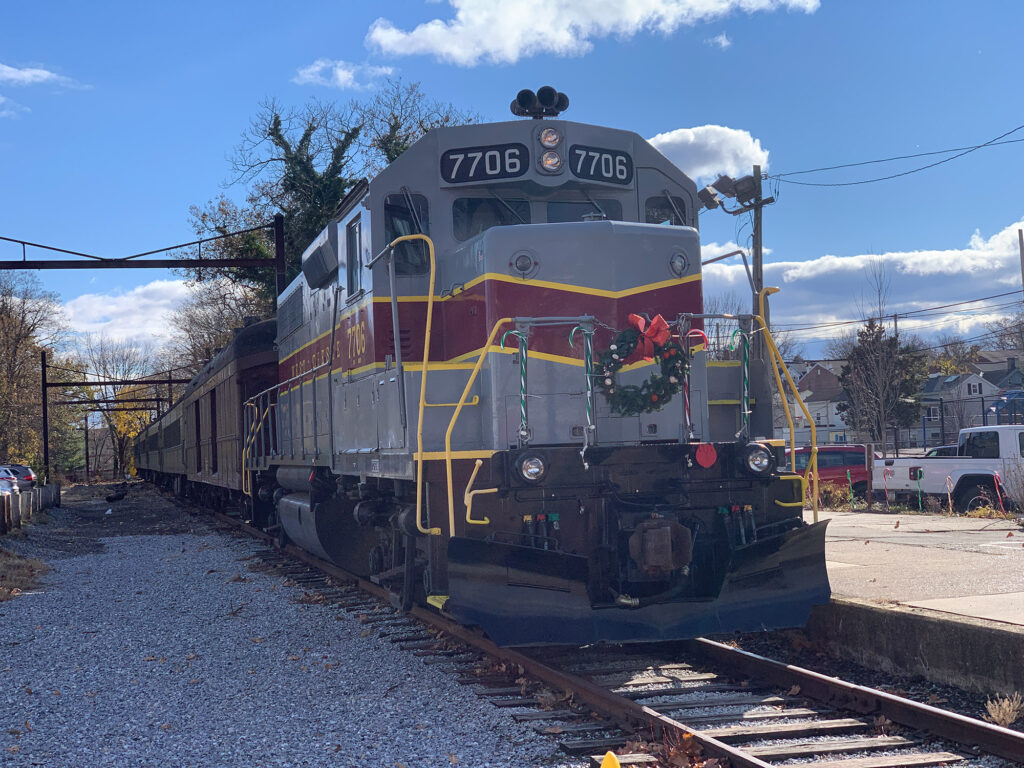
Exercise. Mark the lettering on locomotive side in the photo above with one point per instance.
(496, 161)
(599, 164)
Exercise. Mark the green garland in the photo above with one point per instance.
(655, 392)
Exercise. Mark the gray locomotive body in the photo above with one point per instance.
(442, 423)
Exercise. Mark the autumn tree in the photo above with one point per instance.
(113, 360)
(953, 355)
(31, 320)
(882, 378)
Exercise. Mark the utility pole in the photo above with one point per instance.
(46, 420)
(279, 260)
(758, 256)
(1020, 243)
(86, 430)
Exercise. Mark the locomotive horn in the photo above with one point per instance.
(562, 102)
(547, 96)
(526, 99)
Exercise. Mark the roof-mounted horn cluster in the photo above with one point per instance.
(546, 102)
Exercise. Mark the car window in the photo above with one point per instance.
(1020, 440)
(801, 461)
(853, 458)
(980, 445)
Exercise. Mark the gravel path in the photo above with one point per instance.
(164, 650)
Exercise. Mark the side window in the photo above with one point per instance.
(473, 215)
(661, 210)
(980, 445)
(353, 258)
(1020, 440)
(402, 219)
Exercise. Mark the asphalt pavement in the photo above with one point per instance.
(958, 565)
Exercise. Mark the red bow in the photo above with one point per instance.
(656, 333)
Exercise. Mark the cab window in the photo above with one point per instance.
(1020, 441)
(473, 215)
(401, 218)
(659, 210)
(980, 445)
(582, 210)
(353, 259)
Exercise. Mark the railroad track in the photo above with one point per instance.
(663, 706)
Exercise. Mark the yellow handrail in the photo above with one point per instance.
(455, 417)
(778, 362)
(467, 496)
(423, 383)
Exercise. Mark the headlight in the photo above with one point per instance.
(550, 138)
(757, 459)
(551, 162)
(532, 468)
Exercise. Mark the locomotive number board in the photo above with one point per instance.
(496, 161)
(599, 164)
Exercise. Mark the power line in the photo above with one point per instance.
(960, 153)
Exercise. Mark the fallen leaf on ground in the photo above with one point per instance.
(794, 691)
(453, 759)
(256, 639)
(165, 727)
(150, 658)
(897, 524)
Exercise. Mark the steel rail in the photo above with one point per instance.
(623, 711)
(995, 739)
(631, 715)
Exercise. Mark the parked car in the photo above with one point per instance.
(833, 463)
(939, 451)
(26, 477)
(9, 481)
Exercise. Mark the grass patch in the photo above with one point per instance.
(1004, 710)
(18, 574)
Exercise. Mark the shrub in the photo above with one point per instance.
(1004, 710)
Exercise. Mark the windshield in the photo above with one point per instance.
(473, 215)
(581, 210)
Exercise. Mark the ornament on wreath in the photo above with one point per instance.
(648, 341)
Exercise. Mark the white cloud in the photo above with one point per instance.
(504, 31)
(136, 315)
(833, 288)
(339, 74)
(721, 40)
(708, 150)
(10, 108)
(31, 76)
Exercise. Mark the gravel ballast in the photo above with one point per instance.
(165, 650)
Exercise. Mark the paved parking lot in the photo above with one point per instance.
(959, 565)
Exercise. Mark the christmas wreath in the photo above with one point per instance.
(650, 341)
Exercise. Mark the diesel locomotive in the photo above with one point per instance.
(489, 391)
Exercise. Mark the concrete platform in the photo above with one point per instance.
(936, 596)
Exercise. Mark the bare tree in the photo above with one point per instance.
(396, 117)
(204, 322)
(1007, 333)
(720, 331)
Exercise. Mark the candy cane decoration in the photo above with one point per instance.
(886, 474)
(999, 494)
(949, 493)
(524, 429)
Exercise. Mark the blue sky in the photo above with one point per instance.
(116, 116)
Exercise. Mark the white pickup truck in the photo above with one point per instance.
(988, 467)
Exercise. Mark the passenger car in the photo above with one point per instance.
(26, 477)
(9, 481)
(833, 463)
